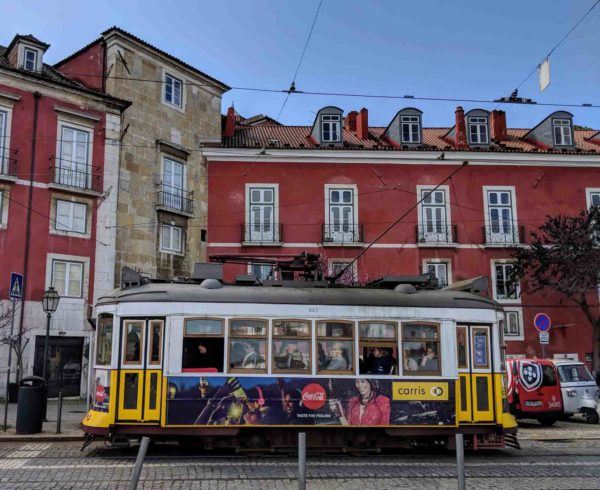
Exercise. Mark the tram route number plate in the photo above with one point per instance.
(419, 391)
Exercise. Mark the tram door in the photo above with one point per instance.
(140, 370)
(475, 374)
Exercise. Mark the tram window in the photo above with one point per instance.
(203, 345)
(377, 348)
(134, 331)
(481, 356)
(421, 348)
(291, 346)
(335, 352)
(155, 354)
(461, 347)
(104, 334)
(248, 345)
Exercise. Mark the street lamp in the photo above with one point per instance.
(49, 304)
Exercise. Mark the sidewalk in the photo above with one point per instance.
(73, 412)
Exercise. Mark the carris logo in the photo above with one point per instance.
(313, 396)
(436, 391)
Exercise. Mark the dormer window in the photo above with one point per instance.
(411, 129)
(478, 130)
(562, 132)
(30, 59)
(330, 128)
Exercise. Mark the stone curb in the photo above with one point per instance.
(65, 437)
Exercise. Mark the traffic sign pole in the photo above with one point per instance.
(10, 349)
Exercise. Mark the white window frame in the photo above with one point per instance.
(516, 300)
(3, 208)
(353, 269)
(170, 249)
(564, 135)
(519, 313)
(589, 192)
(334, 122)
(69, 228)
(36, 55)
(5, 137)
(68, 265)
(168, 74)
(248, 212)
(446, 262)
(176, 200)
(355, 224)
(479, 122)
(250, 271)
(434, 238)
(488, 221)
(410, 121)
(75, 126)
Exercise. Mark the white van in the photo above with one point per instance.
(579, 390)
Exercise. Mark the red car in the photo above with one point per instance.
(534, 390)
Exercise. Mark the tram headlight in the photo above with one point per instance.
(572, 393)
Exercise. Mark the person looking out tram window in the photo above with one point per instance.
(421, 347)
(203, 345)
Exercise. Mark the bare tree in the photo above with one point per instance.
(564, 257)
(17, 341)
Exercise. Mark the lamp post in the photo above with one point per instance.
(49, 304)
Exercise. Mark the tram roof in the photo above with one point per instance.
(351, 296)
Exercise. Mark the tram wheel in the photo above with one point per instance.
(547, 421)
(591, 415)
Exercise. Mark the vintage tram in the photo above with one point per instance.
(251, 365)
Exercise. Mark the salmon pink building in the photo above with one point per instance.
(333, 187)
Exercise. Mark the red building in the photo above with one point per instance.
(54, 153)
(334, 187)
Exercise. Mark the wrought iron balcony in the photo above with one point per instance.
(503, 233)
(263, 233)
(342, 233)
(77, 176)
(436, 233)
(175, 199)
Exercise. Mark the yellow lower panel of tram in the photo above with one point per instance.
(478, 396)
(139, 395)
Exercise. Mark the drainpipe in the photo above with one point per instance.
(36, 104)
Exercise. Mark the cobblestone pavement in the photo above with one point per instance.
(540, 464)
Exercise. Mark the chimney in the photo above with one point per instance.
(350, 121)
(498, 125)
(229, 131)
(362, 124)
(460, 129)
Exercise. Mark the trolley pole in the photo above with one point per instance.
(460, 460)
(302, 461)
(139, 462)
(10, 349)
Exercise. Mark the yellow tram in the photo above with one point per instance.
(250, 365)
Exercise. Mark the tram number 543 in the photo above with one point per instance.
(313, 309)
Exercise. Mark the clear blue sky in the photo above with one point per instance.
(439, 48)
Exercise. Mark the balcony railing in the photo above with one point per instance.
(262, 232)
(503, 233)
(436, 233)
(342, 233)
(176, 199)
(65, 174)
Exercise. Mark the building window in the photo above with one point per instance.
(291, 346)
(506, 287)
(173, 90)
(67, 278)
(30, 59)
(513, 324)
(170, 239)
(501, 223)
(70, 216)
(261, 226)
(248, 346)
(478, 130)
(434, 216)
(173, 183)
(562, 132)
(335, 347)
(203, 345)
(411, 129)
(439, 269)
(421, 348)
(593, 198)
(262, 272)
(73, 166)
(341, 226)
(350, 276)
(1, 208)
(104, 334)
(377, 348)
(3, 143)
(330, 128)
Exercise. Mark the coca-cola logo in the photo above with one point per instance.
(100, 394)
(313, 396)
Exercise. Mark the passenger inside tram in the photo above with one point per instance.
(245, 355)
(291, 355)
(202, 354)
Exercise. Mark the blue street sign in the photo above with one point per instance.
(542, 322)
(16, 286)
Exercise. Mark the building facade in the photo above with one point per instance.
(334, 187)
(57, 153)
(160, 189)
